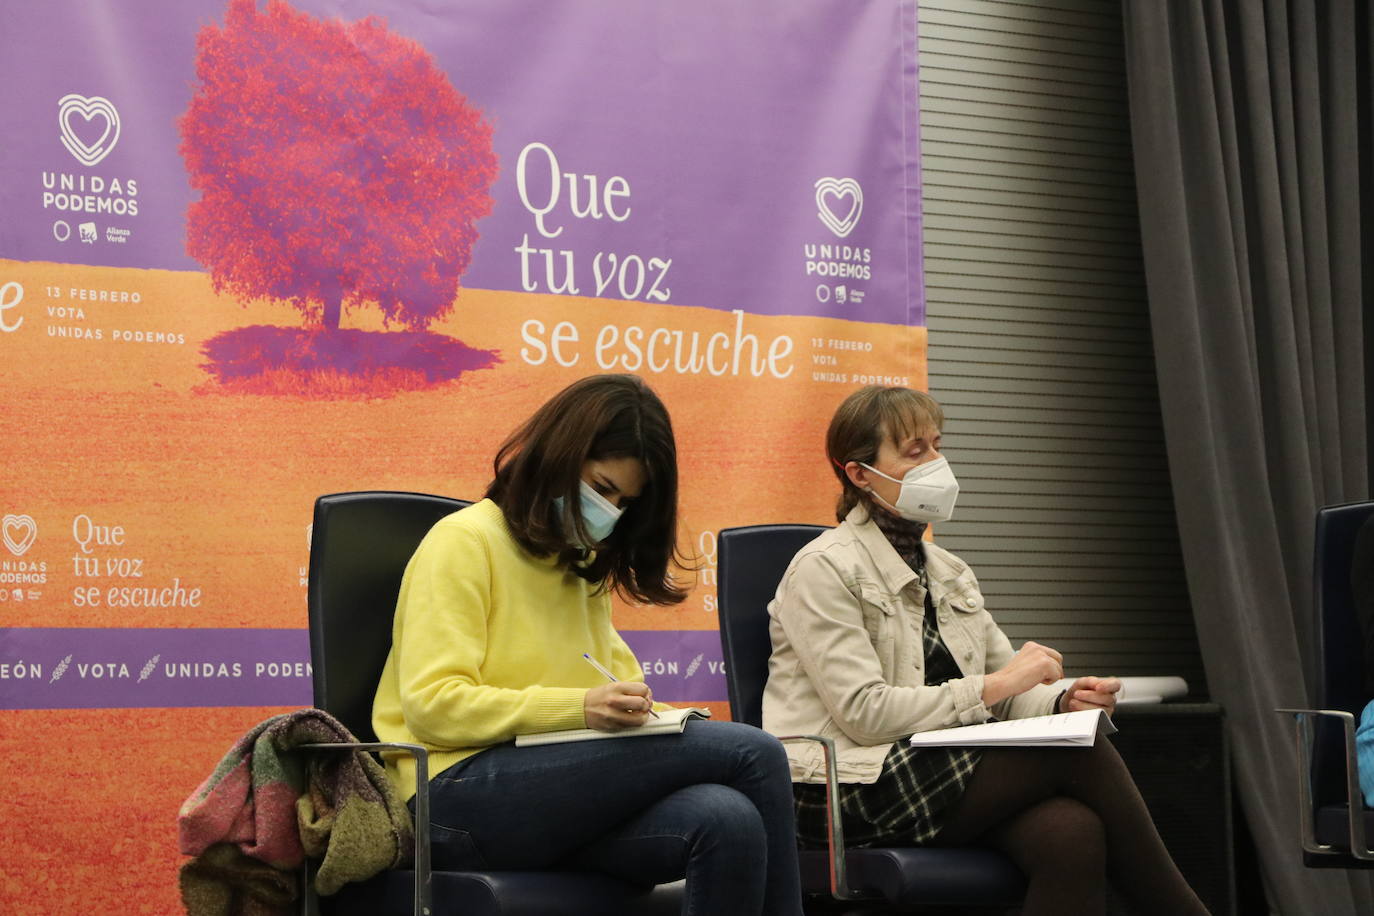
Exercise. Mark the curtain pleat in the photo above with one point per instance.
(1247, 123)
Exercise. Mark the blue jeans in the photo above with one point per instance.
(713, 805)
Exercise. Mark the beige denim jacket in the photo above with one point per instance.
(848, 661)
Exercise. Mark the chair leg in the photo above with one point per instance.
(310, 901)
(1304, 735)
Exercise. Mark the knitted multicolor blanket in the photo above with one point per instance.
(268, 804)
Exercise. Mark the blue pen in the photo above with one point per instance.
(610, 677)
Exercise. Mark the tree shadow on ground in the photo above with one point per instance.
(337, 364)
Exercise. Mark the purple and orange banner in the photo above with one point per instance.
(254, 252)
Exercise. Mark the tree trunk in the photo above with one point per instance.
(333, 311)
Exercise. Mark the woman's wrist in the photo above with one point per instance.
(993, 689)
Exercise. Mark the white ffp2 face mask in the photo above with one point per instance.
(928, 492)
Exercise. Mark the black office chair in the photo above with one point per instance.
(751, 563)
(1328, 777)
(360, 545)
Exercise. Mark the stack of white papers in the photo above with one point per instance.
(1065, 729)
(1137, 689)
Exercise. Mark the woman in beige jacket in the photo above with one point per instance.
(878, 634)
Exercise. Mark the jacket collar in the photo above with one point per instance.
(943, 568)
(896, 574)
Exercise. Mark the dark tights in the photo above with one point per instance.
(1070, 818)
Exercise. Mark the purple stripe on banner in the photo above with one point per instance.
(76, 668)
(681, 666)
(138, 668)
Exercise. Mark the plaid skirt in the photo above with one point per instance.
(906, 806)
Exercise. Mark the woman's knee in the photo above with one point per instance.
(1099, 765)
(1103, 755)
(766, 749)
(1066, 831)
(722, 816)
(753, 745)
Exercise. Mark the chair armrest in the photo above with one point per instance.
(424, 881)
(834, 828)
(1359, 846)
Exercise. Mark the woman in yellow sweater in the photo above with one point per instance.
(496, 609)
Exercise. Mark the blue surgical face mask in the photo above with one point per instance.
(598, 514)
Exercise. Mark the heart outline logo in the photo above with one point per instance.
(29, 533)
(88, 108)
(839, 188)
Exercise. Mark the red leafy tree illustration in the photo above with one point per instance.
(337, 166)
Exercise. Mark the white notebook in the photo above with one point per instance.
(1065, 729)
(669, 721)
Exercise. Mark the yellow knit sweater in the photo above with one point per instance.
(487, 644)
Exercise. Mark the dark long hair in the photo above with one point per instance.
(601, 416)
(860, 424)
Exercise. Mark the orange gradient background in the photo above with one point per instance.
(217, 489)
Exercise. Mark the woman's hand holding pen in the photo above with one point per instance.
(618, 705)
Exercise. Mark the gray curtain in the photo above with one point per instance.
(1250, 122)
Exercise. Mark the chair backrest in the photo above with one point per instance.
(359, 546)
(1340, 644)
(750, 563)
